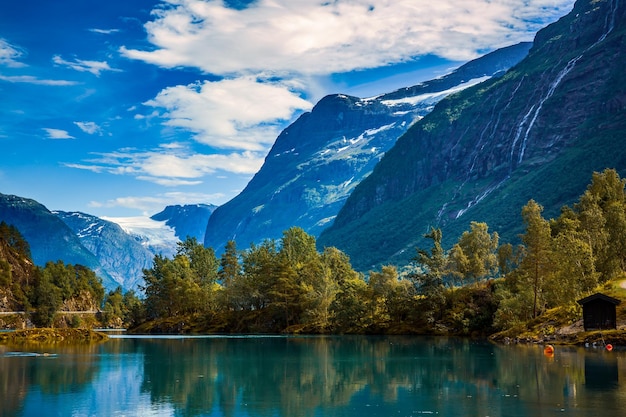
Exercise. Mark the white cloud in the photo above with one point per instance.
(318, 38)
(94, 67)
(58, 134)
(10, 54)
(171, 165)
(93, 168)
(104, 31)
(90, 128)
(29, 79)
(240, 113)
(197, 165)
(168, 182)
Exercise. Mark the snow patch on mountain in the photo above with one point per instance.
(155, 235)
(371, 132)
(90, 229)
(431, 98)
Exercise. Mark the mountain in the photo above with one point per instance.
(318, 160)
(124, 247)
(121, 255)
(50, 239)
(187, 220)
(156, 236)
(538, 132)
(118, 250)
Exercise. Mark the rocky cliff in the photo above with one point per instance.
(16, 268)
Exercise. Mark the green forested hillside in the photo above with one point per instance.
(43, 291)
(477, 285)
(538, 132)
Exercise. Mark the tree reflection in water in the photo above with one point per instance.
(27, 366)
(312, 376)
(303, 375)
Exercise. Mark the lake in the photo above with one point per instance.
(310, 376)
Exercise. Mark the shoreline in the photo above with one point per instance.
(53, 336)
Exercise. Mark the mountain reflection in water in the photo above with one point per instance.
(309, 376)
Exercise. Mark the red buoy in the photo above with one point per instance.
(609, 347)
(548, 350)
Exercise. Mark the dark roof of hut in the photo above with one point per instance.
(599, 296)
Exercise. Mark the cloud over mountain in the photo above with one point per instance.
(268, 61)
(240, 113)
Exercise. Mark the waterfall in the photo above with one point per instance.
(609, 25)
(570, 66)
(480, 197)
(519, 133)
(523, 129)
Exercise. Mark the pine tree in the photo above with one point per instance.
(430, 280)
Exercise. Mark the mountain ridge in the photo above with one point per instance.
(317, 161)
(188, 220)
(50, 239)
(118, 253)
(481, 153)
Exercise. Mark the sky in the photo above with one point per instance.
(119, 108)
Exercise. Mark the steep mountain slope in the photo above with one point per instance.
(537, 132)
(187, 220)
(318, 160)
(120, 255)
(50, 239)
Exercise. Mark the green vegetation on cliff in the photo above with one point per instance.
(538, 132)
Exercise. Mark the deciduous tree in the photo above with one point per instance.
(537, 263)
(601, 211)
(479, 249)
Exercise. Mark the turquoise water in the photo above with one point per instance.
(310, 376)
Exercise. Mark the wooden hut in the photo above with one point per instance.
(599, 312)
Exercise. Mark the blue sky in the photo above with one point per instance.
(121, 107)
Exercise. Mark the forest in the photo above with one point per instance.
(43, 291)
(478, 286)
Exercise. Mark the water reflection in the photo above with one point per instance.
(601, 372)
(310, 376)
